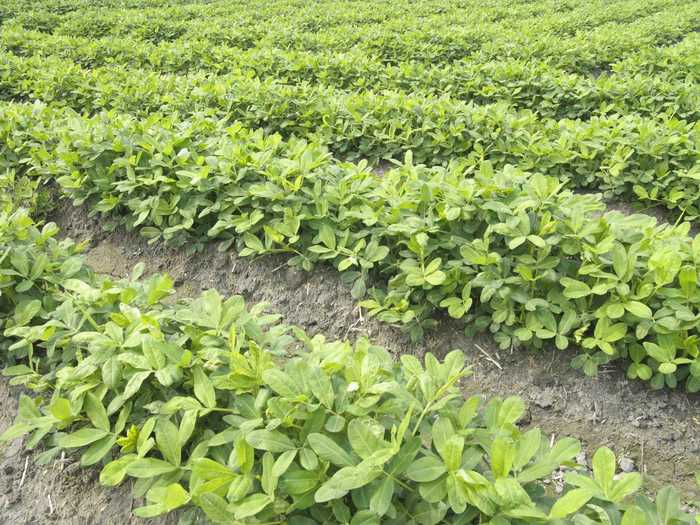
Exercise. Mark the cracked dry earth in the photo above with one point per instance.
(656, 433)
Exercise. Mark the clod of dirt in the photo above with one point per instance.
(294, 278)
(626, 464)
(545, 399)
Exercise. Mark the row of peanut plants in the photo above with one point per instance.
(504, 250)
(417, 35)
(525, 83)
(625, 156)
(217, 410)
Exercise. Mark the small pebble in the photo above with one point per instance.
(294, 278)
(626, 464)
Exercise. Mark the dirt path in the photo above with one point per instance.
(658, 433)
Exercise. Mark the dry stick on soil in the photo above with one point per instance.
(24, 472)
(488, 356)
(279, 267)
(352, 327)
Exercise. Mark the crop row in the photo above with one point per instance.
(398, 39)
(626, 156)
(550, 92)
(209, 405)
(675, 62)
(186, 19)
(507, 251)
(678, 62)
(12, 8)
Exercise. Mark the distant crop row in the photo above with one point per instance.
(627, 156)
(226, 18)
(396, 38)
(548, 91)
(507, 251)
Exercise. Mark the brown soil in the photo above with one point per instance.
(657, 433)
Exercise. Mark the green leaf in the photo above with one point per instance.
(436, 278)
(149, 468)
(98, 450)
(81, 438)
(667, 368)
(426, 469)
(344, 480)
(251, 506)
(668, 503)
(168, 441)
(365, 517)
(619, 257)
(270, 440)
(381, 499)
(321, 387)
(327, 236)
(574, 289)
(297, 481)
(203, 389)
(639, 309)
(528, 445)
(614, 332)
(329, 450)
(25, 312)
(570, 503)
(15, 431)
(334, 423)
(442, 431)
(405, 456)
(660, 353)
(502, 456)
(282, 463)
(114, 472)
(134, 384)
(61, 409)
(634, 516)
(363, 436)
(216, 508)
(627, 484)
(175, 497)
(604, 467)
(511, 410)
(452, 453)
(308, 459)
(111, 372)
(268, 481)
(281, 383)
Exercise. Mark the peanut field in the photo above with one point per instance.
(350, 262)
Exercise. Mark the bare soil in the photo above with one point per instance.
(656, 433)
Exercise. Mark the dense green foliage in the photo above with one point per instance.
(549, 91)
(628, 156)
(506, 251)
(205, 402)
